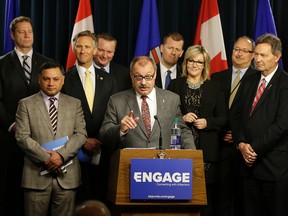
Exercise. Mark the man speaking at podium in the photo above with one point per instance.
(138, 117)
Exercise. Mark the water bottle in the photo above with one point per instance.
(175, 135)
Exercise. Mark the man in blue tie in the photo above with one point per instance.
(172, 50)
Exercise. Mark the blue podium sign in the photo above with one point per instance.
(161, 179)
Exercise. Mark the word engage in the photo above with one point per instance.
(159, 177)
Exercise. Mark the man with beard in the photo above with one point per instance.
(172, 50)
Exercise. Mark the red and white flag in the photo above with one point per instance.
(209, 34)
(83, 21)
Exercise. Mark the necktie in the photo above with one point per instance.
(89, 91)
(259, 93)
(53, 114)
(167, 79)
(26, 68)
(234, 88)
(146, 115)
(103, 69)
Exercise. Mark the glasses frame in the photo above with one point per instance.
(246, 51)
(147, 77)
(197, 63)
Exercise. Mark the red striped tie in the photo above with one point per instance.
(259, 93)
(146, 115)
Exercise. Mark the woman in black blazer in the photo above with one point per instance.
(204, 110)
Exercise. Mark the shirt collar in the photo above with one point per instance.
(20, 54)
(81, 70)
(107, 67)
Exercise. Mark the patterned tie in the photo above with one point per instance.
(53, 114)
(103, 69)
(259, 93)
(146, 115)
(26, 68)
(234, 88)
(89, 91)
(167, 79)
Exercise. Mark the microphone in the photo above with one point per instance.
(160, 137)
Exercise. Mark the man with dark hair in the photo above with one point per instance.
(18, 79)
(168, 68)
(45, 117)
(106, 47)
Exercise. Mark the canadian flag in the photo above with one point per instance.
(83, 21)
(209, 34)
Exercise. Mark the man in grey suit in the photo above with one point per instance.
(123, 123)
(35, 126)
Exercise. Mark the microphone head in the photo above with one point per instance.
(155, 117)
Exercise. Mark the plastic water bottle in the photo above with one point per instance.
(175, 135)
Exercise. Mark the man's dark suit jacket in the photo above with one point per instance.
(266, 129)
(122, 76)
(158, 81)
(224, 79)
(213, 109)
(105, 87)
(13, 87)
(94, 178)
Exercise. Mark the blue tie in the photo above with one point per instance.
(168, 79)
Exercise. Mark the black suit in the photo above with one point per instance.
(122, 76)
(13, 87)
(213, 109)
(266, 130)
(158, 81)
(229, 165)
(105, 86)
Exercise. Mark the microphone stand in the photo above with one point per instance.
(160, 136)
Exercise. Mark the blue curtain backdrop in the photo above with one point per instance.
(53, 22)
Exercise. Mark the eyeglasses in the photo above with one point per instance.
(197, 63)
(246, 51)
(140, 78)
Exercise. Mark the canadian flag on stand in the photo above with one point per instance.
(83, 21)
(209, 34)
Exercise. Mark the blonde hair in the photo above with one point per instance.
(190, 53)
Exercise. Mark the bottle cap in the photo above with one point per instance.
(175, 119)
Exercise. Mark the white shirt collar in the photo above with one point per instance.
(269, 77)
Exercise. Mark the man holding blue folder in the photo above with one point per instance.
(45, 118)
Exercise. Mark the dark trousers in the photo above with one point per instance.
(265, 198)
(229, 186)
(11, 193)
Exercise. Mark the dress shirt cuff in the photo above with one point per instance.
(11, 126)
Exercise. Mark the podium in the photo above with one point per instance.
(119, 185)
